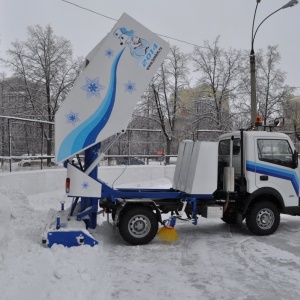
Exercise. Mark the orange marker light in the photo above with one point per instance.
(258, 120)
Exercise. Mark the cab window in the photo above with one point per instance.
(224, 147)
(278, 152)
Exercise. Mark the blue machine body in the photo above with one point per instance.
(69, 238)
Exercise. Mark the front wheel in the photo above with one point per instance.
(138, 225)
(263, 218)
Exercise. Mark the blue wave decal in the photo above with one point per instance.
(275, 172)
(86, 133)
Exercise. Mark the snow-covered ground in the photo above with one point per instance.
(210, 261)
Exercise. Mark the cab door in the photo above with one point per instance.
(274, 168)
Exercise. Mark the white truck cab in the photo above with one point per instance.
(266, 176)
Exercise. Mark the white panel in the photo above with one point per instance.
(203, 169)
(82, 185)
(184, 170)
(104, 96)
(179, 164)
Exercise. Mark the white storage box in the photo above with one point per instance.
(213, 212)
(202, 177)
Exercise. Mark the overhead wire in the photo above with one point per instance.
(90, 10)
(113, 19)
(110, 18)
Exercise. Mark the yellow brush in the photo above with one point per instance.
(168, 232)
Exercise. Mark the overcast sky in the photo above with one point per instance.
(192, 21)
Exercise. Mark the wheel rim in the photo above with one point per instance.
(139, 226)
(265, 218)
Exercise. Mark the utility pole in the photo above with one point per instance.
(252, 57)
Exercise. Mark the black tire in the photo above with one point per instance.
(138, 225)
(263, 218)
(26, 164)
(229, 218)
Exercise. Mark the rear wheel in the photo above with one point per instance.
(138, 225)
(263, 218)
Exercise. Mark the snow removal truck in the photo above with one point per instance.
(247, 174)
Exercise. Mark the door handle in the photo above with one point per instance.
(264, 178)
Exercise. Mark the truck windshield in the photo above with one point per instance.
(277, 152)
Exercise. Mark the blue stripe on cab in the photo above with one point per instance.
(274, 172)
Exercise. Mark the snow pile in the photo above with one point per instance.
(5, 215)
(30, 271)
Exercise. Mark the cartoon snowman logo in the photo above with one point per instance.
(138, 46)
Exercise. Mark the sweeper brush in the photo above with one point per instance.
(168, 232)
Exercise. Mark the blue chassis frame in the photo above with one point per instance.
(89, 205)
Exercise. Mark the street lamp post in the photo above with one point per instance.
(252, 57)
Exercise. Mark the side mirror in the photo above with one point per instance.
(279, 122)
(295, 159)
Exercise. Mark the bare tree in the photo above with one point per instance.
(293, 112)
(218, 73)
(164, 91)
(272, 94)
(271, 91)
(45, 65)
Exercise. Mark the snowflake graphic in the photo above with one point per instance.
(95, 151)
(109, 53)
(85, 185)
(72, 118)
(129, 87)
(92, 87)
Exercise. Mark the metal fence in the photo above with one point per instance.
(23, 145)
(23, 142)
